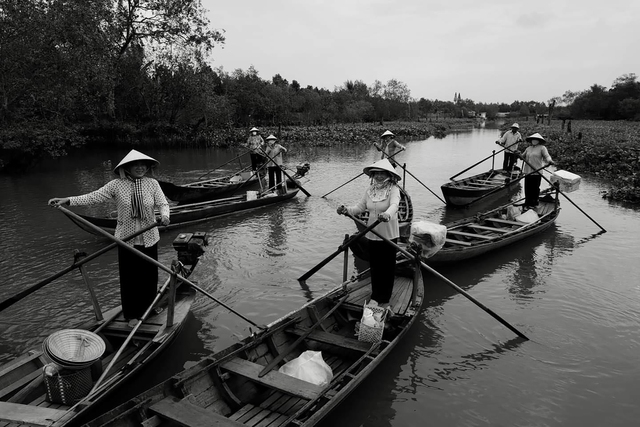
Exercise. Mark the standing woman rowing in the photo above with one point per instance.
(137, 195)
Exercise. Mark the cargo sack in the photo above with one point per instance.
(429, 236)
(309, 367)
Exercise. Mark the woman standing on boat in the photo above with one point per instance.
(275, 151)
(381, 200)
(389, 146)
(255, 143)
(137, 195)
(510, 141)
(535, 158)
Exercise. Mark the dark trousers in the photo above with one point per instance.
(510, 160)
(275, 176)
(382, 260)
(138, 281)
(256, 161)
(532, 189)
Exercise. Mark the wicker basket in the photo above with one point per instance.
(74, 348)
(372, 334)
(68, 386)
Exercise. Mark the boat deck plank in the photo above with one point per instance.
(273, 379)
(187, 414)
(472, 235)
(457, 242)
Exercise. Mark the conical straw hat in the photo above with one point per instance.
(134, 156)
(383, 165)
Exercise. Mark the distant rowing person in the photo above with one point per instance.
(389, 146)
(510, 140)
(255, 143)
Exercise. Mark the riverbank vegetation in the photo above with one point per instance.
(83, 72)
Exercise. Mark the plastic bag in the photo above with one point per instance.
(528, 217)
(309, 367)
(429, 235)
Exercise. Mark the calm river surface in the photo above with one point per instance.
(574, 292)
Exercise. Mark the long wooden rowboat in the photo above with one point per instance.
(240, 386)
(182, 215)
(210, 189)
(490, 230)
(490, 185)
(27, 397)
(405, 215)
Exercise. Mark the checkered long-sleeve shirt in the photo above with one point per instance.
(120, 190)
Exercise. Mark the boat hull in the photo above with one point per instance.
(197, 212)
(488, 231)
(491, 185)
(241, 385)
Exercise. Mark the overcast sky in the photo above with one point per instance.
(489, 51)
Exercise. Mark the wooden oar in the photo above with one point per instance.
(341, 248)
(285, 173)
(152, 261)
(224, 164)
(493, 153)
(447, 281)
(566, 197)
(355, 177)
(31, 289)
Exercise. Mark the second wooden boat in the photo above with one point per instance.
(492, 184)
(209, 189)
(487, 231)
(182, 215)
(242, 385)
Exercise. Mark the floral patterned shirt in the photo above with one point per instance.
(120, 190)
(390, 204)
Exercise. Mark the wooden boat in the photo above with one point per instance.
(209, 189)
(29, 397)
(493, 229)
(492, 184)
(405, 215)
(215, 188)
(182, 215)
(242, 386)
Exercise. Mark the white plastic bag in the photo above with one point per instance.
(429, 235)
(309, 367)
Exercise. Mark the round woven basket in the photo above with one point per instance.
(74, 348)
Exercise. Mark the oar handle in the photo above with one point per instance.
(224, 164)
(449, 282)
(486, 158)
(341, 248)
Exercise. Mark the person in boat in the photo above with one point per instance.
(137, 194)
(274, 166)
(389, 147)
(536, 156)
(510, 140)
(255, 143)
(381, 200)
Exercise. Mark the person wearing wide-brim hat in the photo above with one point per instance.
(255, 143)
(137, 196)
(536, 156)
(510, 140)
(389, 147)
(274, 152)
(381, 200)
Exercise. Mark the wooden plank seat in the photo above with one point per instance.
(273, 379)
(457, 242)
(497, 229)
(473, 235)
(187, 414)
(329, 338)
(27, 414)
(505, 221)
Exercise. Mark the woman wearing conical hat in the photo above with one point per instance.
(381, 200)
(255, 143)
(510, 140)
(137, 195)
(274, 163)
(535, 157)
(389, 147)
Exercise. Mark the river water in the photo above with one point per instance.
(573, 291)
